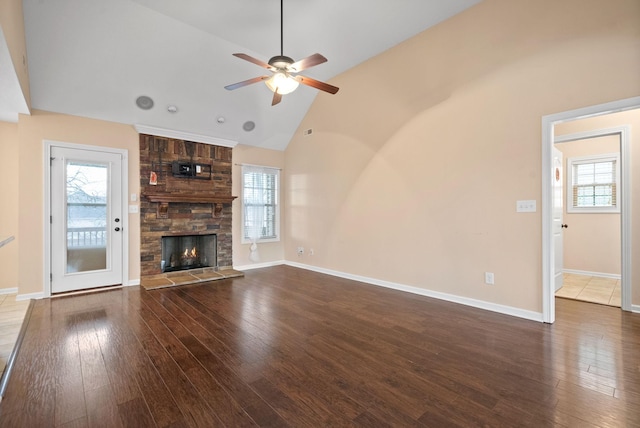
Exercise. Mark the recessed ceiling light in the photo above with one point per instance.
(172, 109)
(144, 102)
(248, 126)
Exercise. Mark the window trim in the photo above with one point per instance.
(603, 157)
(245, 168)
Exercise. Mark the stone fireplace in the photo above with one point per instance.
(185, 212)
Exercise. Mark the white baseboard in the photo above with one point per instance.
(133, 282)
(13, 290)
(588, 273)
(260, 265)
(635, 309)
(30, 296)
(502, 309)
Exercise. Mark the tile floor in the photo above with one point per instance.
(11, 315)
(605, 291)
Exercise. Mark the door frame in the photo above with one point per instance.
(548, 141)
(46, 220)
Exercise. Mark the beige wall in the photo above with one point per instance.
(12, 25)
(632, 119)
(591, 243)
(9, 204)
(414, 168)
(269, 251)
(32, 131)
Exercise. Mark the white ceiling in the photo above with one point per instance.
(93, 58)
(12, 100)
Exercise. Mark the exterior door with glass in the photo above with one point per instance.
(86, 213)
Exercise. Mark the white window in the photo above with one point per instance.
(592, 184)
(260, 201)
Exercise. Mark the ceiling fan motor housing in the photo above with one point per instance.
(280, 61)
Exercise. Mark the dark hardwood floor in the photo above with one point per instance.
(288, 347)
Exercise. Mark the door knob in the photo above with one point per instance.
(564, 225)
(117, 229)
(117, 220)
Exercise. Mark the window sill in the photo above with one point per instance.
(593, 211)
(260, 241)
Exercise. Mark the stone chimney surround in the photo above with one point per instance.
(185, 189)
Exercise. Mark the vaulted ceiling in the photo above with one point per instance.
(94, 58)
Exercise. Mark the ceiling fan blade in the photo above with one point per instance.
(245, 83)
(253, 60)
(276, 98)
(316, 84)
(307, 62)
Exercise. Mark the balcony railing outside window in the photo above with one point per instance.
(82, 237)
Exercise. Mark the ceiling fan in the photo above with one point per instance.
(284, 79)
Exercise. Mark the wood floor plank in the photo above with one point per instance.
(136, 410)
(35, 386)
(161, 404)
(70, 400)
(295, 413)
(283, 347)
(102, 410)
(192, 405)
(191, 356)
(158, 397)
(204, 330)
(76, 423)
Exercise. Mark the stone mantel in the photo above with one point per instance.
(164, 199)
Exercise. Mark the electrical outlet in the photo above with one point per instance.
(489, 278)
(300, 251)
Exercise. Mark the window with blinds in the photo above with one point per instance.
(260, 203)
(593, 184)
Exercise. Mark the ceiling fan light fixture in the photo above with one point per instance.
(282, 83)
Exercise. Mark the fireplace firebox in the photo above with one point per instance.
(188, 252)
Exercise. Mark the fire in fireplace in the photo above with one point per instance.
(188, 252)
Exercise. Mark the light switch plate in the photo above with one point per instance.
(133, 209)
(528, 206)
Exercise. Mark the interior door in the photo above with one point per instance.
(86, 213)
(557, 225)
